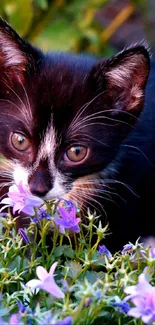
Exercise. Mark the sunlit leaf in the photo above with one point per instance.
(20, 14)
(43, 4)
(59, 35)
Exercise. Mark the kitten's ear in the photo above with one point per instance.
(16, 55)
(124, 77)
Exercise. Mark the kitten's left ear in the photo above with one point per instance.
(124, 77)
(16, 55)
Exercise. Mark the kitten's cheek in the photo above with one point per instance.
(20, 174)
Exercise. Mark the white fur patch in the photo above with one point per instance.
(20, 174)
(58, 188)
(47, 146)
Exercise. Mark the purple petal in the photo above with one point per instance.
(34, 284)
(7, 200)
(62, 229)
(75, 228)
(50, 286)
(18, 207)
(14, 320)
(52, 268)
(66, 321)
(134, 312)
(148, 319)
(152, 250)
(34, 200)
(42, 274)
(131, 290)
(24, 235)
(28, 210)
(64, 213)
(104, 250)
(59, 221)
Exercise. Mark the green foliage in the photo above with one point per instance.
(91, 281)
(62, 24)
(56, 24)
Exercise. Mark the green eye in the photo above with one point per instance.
(19, 141)
(76, 153)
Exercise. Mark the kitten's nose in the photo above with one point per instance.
(40, 183)
(41, 193)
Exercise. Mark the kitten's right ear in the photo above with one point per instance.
(124, 78)
(16, 56)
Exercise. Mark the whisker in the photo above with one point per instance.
(84, 107)
(101, 123)
(27, 99)
(95, 115)
(128, 187)
(138, 149)
(92, 138)
(16, 118)
(14, 92)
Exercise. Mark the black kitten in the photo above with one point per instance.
(63, 120)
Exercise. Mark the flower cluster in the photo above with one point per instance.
(142, 296)
(90, 283)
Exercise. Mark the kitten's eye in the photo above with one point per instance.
(77, 153)
(19, 141)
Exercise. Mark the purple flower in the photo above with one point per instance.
(23, 234)
(104, 250)
(67, 220)
(41, 214)
(127, 248)
(152, 250)
(21, 307)
(66, 321)
(142, 296)
(99, 294)
(68, 204)
(20, 198)
(65, 285)
(46, 281)
(14, 319)
(122, 305)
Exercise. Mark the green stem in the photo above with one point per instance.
(61, 239)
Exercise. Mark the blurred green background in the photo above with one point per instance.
(96, 26)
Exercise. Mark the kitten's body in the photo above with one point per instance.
(134, 214)
(72, 114)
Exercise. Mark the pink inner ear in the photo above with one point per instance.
(132, 70)
(10, 55)
(129, 77)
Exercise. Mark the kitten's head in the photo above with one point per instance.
(63, 116)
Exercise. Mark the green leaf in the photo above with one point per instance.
(69, 252)
(20, 14)
(59, 35)
(94, 276)
(43, 4)
(74, 268)
(59, 251)
(2, 3)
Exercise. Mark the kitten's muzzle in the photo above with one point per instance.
(40, 183)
